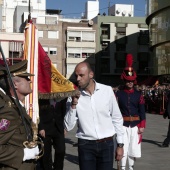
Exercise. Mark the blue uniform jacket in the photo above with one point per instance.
(131, 104)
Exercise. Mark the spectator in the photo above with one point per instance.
(99, 119)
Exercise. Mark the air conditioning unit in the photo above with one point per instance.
(130, 14)
(124, 13)
(118, 11)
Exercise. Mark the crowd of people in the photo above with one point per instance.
(156, 96)
(101, 114)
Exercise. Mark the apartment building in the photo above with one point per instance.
(14, 14)
(116, 37)
(79, 44)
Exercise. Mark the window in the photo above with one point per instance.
(40, 34)
(74, 36)
(120, 58)
(120, 47)
(80, 52)
(86, 55)
(121, 31)
(24, 1)
(78, 39)
(120, 64)
(70, 55)
(143, 40)
(53, 34)
(105, 31)
(45, 49)
(71, 38)
(88, 36)
(105, 66)
(105, 48)
(74, 55)
(53, 51)
(143, 66)
(77, 55)
(143, 56)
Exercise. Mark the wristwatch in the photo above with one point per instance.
(120, 145)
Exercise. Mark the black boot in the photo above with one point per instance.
(165, 143)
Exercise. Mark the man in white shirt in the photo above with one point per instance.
(98, 116)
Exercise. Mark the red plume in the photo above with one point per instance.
(129, 60)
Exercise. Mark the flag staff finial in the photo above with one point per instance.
(29, 11)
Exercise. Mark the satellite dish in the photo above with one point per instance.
(90, 22)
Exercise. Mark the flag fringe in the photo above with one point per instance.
(58, 95)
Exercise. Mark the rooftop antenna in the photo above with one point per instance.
(29, 11)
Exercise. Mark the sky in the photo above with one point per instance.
(74, 8)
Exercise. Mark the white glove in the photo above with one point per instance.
(30, 153)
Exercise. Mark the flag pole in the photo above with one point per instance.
(29, 11)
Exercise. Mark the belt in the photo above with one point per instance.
(30, 161)
(104, 139)
(131, 118)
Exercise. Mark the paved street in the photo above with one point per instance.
(153, 156)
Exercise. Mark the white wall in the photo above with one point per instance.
(92, 9)
(34, 4)
(122, 10)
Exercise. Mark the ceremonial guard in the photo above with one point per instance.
(15, 127)
(132, 107)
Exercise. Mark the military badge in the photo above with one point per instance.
(9, 104)
(130, 73)
(4, 124)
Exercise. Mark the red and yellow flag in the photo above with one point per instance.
(47, 83)
(51, 84)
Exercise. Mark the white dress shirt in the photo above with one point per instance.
(98, 115)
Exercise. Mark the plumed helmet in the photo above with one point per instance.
(128, 72)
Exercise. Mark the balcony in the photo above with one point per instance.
(105, 37)
(81, 44)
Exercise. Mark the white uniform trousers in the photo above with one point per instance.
(132, 147)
